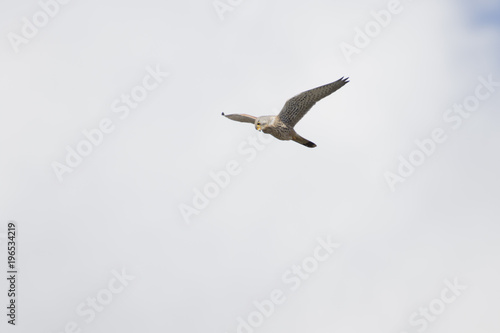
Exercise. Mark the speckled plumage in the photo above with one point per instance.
(281, 126)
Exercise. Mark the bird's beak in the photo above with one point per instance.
(257, 127)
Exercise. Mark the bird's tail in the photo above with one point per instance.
(297, 138)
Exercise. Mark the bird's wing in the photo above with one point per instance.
(296, 107)
(244, 118)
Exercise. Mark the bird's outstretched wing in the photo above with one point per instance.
(244, 118)
(296, 107)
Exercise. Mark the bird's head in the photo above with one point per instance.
(261, 123)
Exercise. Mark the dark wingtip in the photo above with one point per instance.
(223, 113)
(310, 144)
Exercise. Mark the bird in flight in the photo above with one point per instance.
(281, 126)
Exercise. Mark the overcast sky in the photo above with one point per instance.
(140, 209)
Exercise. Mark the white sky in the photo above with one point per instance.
(120, 207)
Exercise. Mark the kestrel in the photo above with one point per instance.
(281, 126)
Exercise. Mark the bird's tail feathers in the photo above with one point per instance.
(297, 138)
